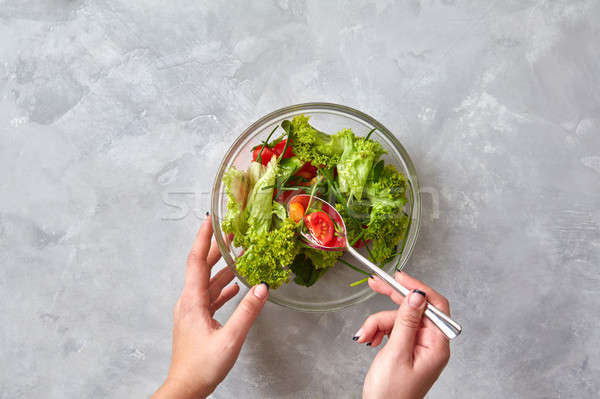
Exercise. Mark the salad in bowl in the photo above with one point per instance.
(265, 216)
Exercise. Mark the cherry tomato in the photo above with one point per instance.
(278, 149)
(296, 211)
(306, 176)
(284, 196)
(266, 155)
(301, 199)
(307, 169)
(320, 226)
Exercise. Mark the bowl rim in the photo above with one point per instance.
(414, 192)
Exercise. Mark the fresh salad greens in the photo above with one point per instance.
(342, 169)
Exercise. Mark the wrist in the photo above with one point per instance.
(174, 388)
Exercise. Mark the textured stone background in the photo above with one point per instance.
(108, 109)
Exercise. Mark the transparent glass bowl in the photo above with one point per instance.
(332, 291)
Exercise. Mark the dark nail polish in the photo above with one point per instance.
(262, 282)
(368, 344)
(207, 213)
(419, 292)
(355, 338)
(371, 276)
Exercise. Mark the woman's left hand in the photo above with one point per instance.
(203, 350)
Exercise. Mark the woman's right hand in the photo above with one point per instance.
(416, 352)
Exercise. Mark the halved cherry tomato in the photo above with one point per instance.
(265, 157)
(337, 242)
(278, 149)
(320, 226)
(302, 200)
(296, 211)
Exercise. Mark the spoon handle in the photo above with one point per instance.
(448, 326)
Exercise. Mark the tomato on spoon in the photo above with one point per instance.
(320, 226)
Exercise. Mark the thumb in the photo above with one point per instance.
(244, 315)
(408, 322)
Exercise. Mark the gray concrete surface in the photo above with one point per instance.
(111, 109)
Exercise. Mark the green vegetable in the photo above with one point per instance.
(359, 282)
(268, 254)
(260, 201)
(370, 133)
(287, 167)
(236, 187)
(311, 264)
(305, 272)
(389, 187)
(387, 221)
(255, 172)
(279, 211)
(265, 144)
(353, 225)
(322, 259)
(356, 162)
(313, 146)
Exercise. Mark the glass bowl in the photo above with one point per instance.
(332, 291)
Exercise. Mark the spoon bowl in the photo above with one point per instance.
(338, 244)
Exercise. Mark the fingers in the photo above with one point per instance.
(219, 281)
(214, 254)
(406, 326)
(224, 297)
(381, 321)
(378, 339)
(244, 315)
(198, 272)
(436, 299)
(381, 287)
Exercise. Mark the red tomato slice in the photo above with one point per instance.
(265, 157)
(320, 226)
(278, 149)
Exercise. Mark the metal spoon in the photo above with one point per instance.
(448, 326)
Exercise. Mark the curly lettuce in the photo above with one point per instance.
(354, 166)
(387, 221)
(268, 255)
(311, 145)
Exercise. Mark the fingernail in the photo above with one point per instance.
(206, 213)
(261, 291)
(368, 344)
(262, 282)
(371, 276)
(416, 298)
(357, 335)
